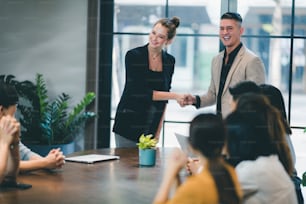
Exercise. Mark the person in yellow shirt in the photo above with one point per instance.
(215, 182)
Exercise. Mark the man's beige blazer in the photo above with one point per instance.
(246, 66)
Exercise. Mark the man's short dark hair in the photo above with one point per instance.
(232, 15)
(8, 95)
(244, 87)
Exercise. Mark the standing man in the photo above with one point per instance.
(234, 64)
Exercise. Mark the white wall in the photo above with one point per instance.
(47, 37)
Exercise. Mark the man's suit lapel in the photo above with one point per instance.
(218, 65)
(233, 68)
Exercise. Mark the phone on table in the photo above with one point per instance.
(9, 185)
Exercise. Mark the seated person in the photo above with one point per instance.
(9, 152)
(216, 181)
(274, 96)
(276, 99)
(242, 88)
(257, 147)
(29, 160)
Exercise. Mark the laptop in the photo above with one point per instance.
(184, 144)
(91, 158)
(183, 141)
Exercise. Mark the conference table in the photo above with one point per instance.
(114, 181)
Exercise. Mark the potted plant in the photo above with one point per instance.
(147, 150)
(45, 122)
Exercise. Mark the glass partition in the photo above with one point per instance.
(268, 33)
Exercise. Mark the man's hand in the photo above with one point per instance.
(187, 99)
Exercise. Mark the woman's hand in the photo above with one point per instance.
(176, 162)
(193, 165)
(9, 130)
(55, 159)
(185, 99)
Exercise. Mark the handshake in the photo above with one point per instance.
(185, 99)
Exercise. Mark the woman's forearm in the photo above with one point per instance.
(4, 152)
(164, 95)
(175, 163)
(34, 163)
(164, 190)
(31, 165)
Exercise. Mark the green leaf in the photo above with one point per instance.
(42, 93)
(88, 98)
(146, 142)
(45, 121)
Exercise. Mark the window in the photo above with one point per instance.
(268, 32)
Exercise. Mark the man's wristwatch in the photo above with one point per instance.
(197, 104)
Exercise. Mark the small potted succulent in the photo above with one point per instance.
(147, 150)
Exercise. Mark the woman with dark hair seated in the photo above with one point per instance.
(216, 181)
(257, 147)
(276, 99)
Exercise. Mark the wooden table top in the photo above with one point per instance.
(115, 181)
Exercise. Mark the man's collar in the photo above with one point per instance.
(235, 50)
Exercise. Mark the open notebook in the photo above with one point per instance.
(91, 158)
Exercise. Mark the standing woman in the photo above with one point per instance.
(149, 71)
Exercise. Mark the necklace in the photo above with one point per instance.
(154, 60)
(154, 53)
(154, 57)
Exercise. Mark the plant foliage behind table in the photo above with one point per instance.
(48, 122)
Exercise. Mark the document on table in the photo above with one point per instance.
(91, 158)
